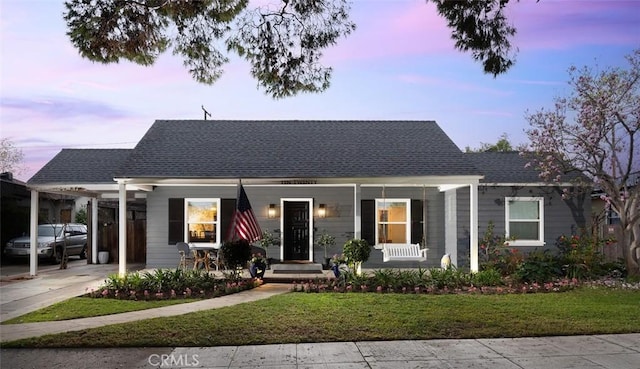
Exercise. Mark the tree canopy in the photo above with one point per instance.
(283, 41)
(595, 131)
(502, 145)
(10, 157)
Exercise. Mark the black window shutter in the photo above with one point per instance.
(368, 221)
(176, 220)
(417, 212)
(227, 207)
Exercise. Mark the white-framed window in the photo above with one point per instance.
(202, 219)
(393, 221)
(524, 220)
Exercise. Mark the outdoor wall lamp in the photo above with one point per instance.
(272, 211)
(322, 211)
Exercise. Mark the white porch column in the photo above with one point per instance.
(94, 230)
(122, 229)
(451, 225)
(33, 233)
(473, 227)
(357, 216)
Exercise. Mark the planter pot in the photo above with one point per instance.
(103, 257)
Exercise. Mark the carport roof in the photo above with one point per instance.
(81, 166)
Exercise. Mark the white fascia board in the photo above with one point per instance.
(537, 184)
(364, 181)
(444, 188)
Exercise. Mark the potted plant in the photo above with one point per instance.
(325, 240)
(356, 252)
(258, 266)
(268, 239)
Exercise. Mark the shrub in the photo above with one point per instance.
(495, 253)
(580, 255)
(169, 284)
(538, 266)
(487, 277)
(236, 254)
(448, 278)
(356, 251)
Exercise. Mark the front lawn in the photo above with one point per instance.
(329, 317)
(84, 307)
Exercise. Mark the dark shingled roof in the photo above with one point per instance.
(81, 166)
(295, 149)
(507, 167)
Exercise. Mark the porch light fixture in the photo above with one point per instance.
(322, 211)
(272, 211)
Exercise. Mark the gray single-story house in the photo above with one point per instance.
(388, 182)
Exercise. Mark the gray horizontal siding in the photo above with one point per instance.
(558, 215)
(434, 202)
(339, 221)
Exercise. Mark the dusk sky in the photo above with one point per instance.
(399, 64)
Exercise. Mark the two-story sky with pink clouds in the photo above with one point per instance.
(400, 64)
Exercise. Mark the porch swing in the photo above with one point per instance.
(408, 251)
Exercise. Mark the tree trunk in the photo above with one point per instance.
(631, 235)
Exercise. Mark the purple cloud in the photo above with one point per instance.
(60, 108)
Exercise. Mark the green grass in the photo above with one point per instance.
(84, 307)
(328, 317)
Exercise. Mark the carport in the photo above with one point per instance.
(87, 173)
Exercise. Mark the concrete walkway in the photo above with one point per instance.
(18, 296)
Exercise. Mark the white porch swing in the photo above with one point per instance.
(408, 251)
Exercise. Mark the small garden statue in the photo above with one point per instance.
(258, 266)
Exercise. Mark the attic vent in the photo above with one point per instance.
(299, 181)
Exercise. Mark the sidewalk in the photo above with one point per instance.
(19, 296)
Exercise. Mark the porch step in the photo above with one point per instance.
(297, 268)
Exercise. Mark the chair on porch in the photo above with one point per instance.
(186, 256)
(201, 257)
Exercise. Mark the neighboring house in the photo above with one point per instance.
(383, 181)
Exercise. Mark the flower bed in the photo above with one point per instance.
(436, 281)
(165, 284)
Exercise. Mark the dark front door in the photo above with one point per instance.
(296, 230)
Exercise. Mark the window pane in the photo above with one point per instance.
(524, 230)
(394, 233)
(523, 210)
(392, 211)
(202, 233)
(202, 211)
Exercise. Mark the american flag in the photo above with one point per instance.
(245, 225)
